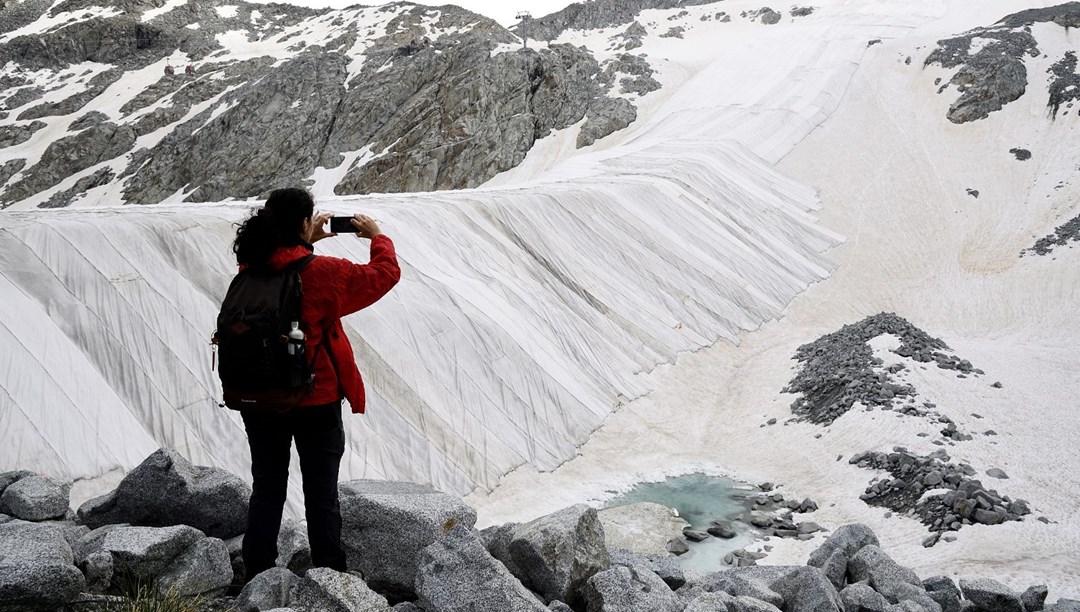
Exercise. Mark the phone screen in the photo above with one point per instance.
(342, 225)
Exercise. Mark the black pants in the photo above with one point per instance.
(320, 442)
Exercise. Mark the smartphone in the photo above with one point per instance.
(342, 225)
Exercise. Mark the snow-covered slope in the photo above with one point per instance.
(893, 175)
(535, 307)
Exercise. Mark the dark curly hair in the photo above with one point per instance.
(277, 224)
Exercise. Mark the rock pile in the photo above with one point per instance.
(413, 549)
(958, 498)
(597, 14)
(994, 74)
(1063, 235)
(1065, 85)
(839, 369)
(448, 115)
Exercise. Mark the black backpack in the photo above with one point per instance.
(260, 367)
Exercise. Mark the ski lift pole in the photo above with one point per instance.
(524, 17)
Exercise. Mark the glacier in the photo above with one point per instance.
(597, 317)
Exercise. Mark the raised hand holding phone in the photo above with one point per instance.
(365, 226)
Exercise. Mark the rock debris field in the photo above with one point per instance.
(178, 528)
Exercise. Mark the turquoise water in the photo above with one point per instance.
(700, 499)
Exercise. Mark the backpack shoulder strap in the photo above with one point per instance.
(299, 264)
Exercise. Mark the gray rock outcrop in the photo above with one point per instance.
(327, 590)
(605, 118)
(556, 554)
(70, 155)
(447, 115)
(598, 14)
(457, 574)
(37, 570)
(64, 198)
(166, 489)
(11, 135)
(995, 74)
(9, 168)
(386, 525)
(36, 498)
(96, 86)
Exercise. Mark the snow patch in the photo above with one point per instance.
(51, 23)
(227, 11)
(161, 10)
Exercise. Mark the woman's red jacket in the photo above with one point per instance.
(333, 288)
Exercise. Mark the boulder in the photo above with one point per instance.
(270, 589)
(666, 567)
(745, 582)
(497, 540)
(710, 602)
(328, 590)
(1064, 605)
(36, 498)
(98, 569)
(944, 592)
(721, 530)
(629, 589)
(385, 526)
(294, 551)
(743, 603)
(644, 528)
(884, 575)
(457, 574)
(557, 553)
(146, 552)
(833, 555)
(990, 595)
(202, 569)
(9, 478)
(807, 589)
(860, 597)
(236, 556)
(677, 546)
(166, 489)
(178, 558)
(555, 606)
(37, 570)
(848, 539)
(1034, 598)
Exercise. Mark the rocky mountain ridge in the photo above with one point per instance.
(386, 99)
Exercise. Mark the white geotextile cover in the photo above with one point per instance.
(522, 316)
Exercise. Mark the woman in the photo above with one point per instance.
(280, 232)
